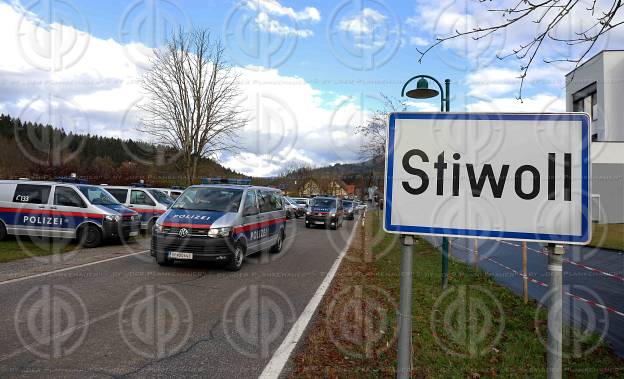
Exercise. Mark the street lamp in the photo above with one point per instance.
(422, 91)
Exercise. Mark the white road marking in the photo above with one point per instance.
(274, 368)
(10, 281)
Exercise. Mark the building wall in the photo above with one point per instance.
(608, 182)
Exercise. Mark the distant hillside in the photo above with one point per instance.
(45, 152)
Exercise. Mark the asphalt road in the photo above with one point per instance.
(130, 317)
(588, 279)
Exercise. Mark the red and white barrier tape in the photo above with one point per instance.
(593, 269)
(545, 285)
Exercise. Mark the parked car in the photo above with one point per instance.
(302, 201)
(299, 209)
(325, 211)
(222, 223)
(349, 209)
(65, 210)
(150, 203)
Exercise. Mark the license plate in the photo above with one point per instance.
(319, 222)
(133, 234)
(178, 255)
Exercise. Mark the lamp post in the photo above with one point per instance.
(404, 359)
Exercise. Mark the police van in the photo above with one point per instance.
(325, 211)
(150, 203)
(65, 210)
(221, 222)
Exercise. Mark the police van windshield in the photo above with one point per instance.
(325, 203)
(347, 203)
(209, 199)
(160, 196)
(97, 196)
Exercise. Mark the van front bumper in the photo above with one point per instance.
(203, 248)
(124, 229)
(320, 220)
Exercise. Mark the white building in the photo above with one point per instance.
(597, 87)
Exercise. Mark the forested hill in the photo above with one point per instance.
(44, 152)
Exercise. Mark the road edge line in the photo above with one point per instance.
(21, 278)
(280, 357)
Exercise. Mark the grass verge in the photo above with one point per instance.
(476, 328)
(608, 236)
(14, 248)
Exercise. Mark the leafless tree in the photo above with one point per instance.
(374, 129)
(548, 15)
(192, 98)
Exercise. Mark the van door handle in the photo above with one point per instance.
(41, 207)
(52, 207)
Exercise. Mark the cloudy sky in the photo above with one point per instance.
(310, 70)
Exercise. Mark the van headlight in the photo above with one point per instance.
(219, 232)
(114, 218)
(158, 227)
(333, 215)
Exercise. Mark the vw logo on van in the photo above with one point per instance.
(183, 232)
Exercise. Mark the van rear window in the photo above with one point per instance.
(31, 194)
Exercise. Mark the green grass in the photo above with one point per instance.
(19, 248)
(468, 343)
(609, 236)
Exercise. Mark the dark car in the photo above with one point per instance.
(325, 211)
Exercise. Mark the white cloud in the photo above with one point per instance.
(270, 25)
(368, 29)
(418, 41)
(539, 103)
(362, 23)
(496, 81)
(268, 12)
(273, 7)
(290, 120)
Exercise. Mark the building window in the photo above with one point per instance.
(586, 100)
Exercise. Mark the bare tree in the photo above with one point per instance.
(374, 129)
(549, 14)
(192, 98)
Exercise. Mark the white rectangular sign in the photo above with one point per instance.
(489, 175)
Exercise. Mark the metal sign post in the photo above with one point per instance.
(555, 311)
(404, 362)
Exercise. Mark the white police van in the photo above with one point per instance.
(65, 210)
(150, 203)
(220, 222)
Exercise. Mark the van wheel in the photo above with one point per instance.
(238, 256)
(279, 244)
(3, 232)
(150, 227)
(89, 236)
